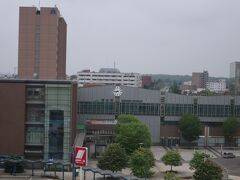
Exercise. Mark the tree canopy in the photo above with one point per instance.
(175, 88)
(142, 160)
(198, 159)
(190, 127)
(114, 158)
(208, 171)
(170, 176)
(127, 118)
(132, 133)
(172, 158)
(230, 127)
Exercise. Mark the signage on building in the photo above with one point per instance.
(81, 156)
(102, 122)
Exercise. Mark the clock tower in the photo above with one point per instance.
(117, 92)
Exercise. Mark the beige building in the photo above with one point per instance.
(42, 43)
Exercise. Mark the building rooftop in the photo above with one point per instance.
(109, 70)
(36, 81)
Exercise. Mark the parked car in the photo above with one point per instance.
(228, 155)
(2, 160)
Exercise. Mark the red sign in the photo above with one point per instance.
(81, 156)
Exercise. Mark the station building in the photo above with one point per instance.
(160, 111)
(38, 118)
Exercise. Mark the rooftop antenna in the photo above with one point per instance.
(39, 3)
(114, 65)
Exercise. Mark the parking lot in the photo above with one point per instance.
(232, 165)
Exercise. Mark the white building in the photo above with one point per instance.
(108, 76)
(8, 76)
(217, 86)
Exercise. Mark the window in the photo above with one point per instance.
(53, 11)
(56, 131)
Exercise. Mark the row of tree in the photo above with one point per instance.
(191, 128)
(132, 148)
(204, 169)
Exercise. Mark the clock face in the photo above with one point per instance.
(117, 91)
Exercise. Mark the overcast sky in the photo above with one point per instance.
(145, 36)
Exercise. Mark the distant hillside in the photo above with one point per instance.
(171, 78)
(179, 78)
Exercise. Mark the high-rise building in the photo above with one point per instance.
(199, 79)
(235, 76)
(42, 43)
(146, 80)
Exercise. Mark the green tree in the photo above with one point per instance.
(127, 118)
(197, 160)
(131, 135)
(172, 158)
(190, 127)
(170, 176)
(175, 88)
(114, 158)
(230, 127)
(73, 77)
(208, 171)
(142, 160)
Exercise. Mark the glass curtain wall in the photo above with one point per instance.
(57, 122)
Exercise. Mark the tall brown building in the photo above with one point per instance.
(42, 43)
(199, 79)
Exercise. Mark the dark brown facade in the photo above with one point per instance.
(199, 79)
(146, 80)
(42, 44)
(12, 118)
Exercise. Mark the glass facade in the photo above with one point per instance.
(124, 108)
(48, 121)
(139, 108)
(35, 113)
(214, 110)
(35, 93)
(56, 134)
(34, 135)
(57, 121)
(178, 109)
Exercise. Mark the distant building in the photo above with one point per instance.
(8, 76)
(146, 80)
(42, 43)
(199, 79)
(235, 76)
(217, 86)
(186, 87)
(108, 76)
